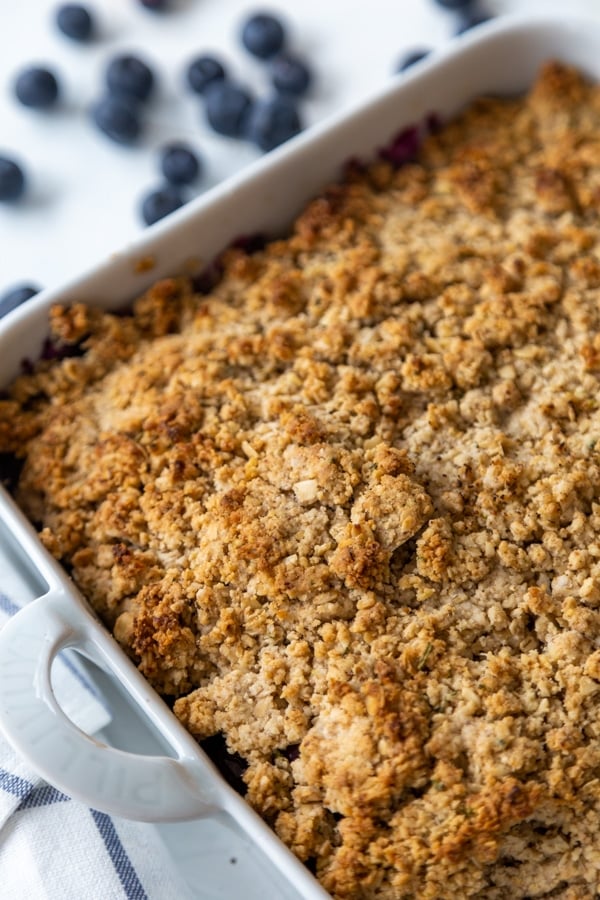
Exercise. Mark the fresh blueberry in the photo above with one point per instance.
(12, 179)
(263, 35)
(36, 87)
(161, 203)
(75, 22)
(179, 164)
(15, 297)
(129, 76)
(155, 5)
(290, 75)
(412, 57)
(227, 108)
(454, 4)
(471, 20)
(272, 122)
(202, 71)
(118, 118)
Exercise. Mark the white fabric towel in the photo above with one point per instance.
(55, 848)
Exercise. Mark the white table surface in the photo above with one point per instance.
(83, 197)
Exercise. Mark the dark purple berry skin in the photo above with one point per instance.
(227, 108)
(75, 21)
(161, 203)
(403, 147)
(272, 122)
(290, 75)
(36, 87)
(12, 179)
(471, 20)
(263, 35)
(117, 118)
(179, 164)
(129, 76)
(412, 57)
(15, 297)
(202, 72)
(454, 4)
(155, 5)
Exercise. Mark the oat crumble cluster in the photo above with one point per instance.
(345, 507)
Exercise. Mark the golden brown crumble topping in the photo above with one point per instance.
(345, 508)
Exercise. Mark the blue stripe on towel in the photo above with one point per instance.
(44, 795)
(7, 605)
(83, 680)
(121, 862)
(12, 784)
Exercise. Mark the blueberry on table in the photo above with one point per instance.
(129, 76)
(263, 35)
(203, 71)
(272, 122)
(160, 203)
(12, 179)
(227, 108)
(36, 87)
(412, 57)
(75, 21)
(454, 4)
(290, 75)
(155, 5)
(179, 164)
(117, 118)
(15, 297)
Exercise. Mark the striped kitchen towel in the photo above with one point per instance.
(55, 848)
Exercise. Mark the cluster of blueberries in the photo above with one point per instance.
(230, 109)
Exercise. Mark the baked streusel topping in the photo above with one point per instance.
(344, 507)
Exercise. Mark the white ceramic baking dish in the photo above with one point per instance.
(501, 59)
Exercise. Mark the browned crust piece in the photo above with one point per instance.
(349, 502)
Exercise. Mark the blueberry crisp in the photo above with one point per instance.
(342, 507)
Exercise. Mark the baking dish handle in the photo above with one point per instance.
(145, 788)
